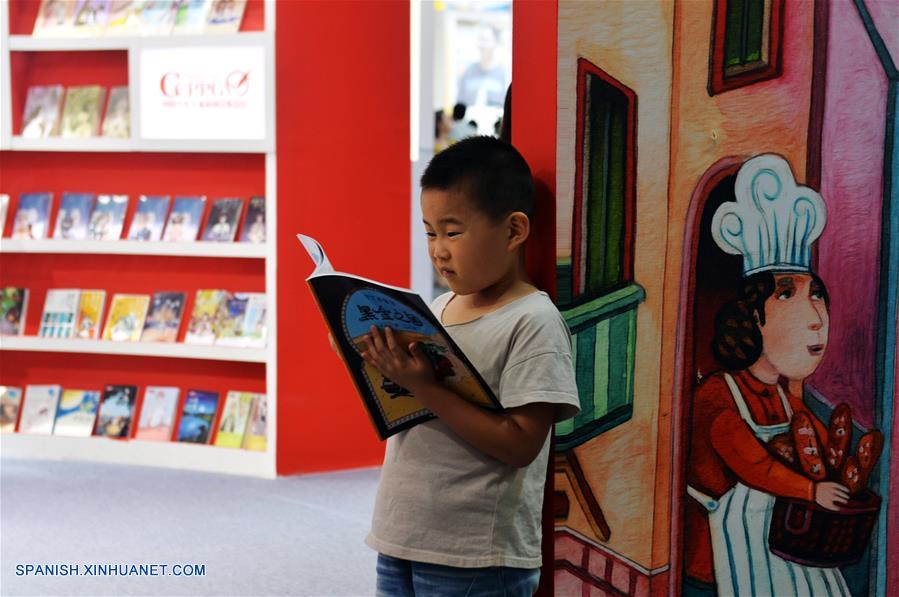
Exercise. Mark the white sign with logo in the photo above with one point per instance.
(202, 93)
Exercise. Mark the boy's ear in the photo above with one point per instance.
(519, 228)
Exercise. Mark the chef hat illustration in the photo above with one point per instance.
(773, 222)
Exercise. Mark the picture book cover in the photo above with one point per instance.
(202, 327)
(90, 314)
(164, 317)
(253, 229)
(149, 218)
(39, 409)
(108, 217)
(257, 429)
(235, 416)
(225, 16)
(76, 413)
(74, 215)
(81, 114)
(10, 403)
(157, 413)
(60, 311)
(43, 111)
(32, 216)
(184, 220)
(54, 18)
(124, 18)
(4, 208)
(351, 305)
(116, 411)
(198, 417)
(90, 17)
(126, 317)
(224, 215)
(13, 309)
(158, 17)
(241, 320)
(117, 120)
(191, 17)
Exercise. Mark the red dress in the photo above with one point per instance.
(724, 449)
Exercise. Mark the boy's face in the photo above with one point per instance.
(466, 248)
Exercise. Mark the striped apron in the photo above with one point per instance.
(739, 522)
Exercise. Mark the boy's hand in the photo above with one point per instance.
(405, 366)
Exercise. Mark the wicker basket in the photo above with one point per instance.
(805, 533)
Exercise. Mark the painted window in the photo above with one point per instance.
(596, 291)
(747, 36)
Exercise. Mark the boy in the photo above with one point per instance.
(458, 510)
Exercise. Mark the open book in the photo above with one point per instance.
(351, 305)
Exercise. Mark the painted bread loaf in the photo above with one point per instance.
(839, 437)
(808, 448)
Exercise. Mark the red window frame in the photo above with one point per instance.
(718, 82)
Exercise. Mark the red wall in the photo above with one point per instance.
(343, 177)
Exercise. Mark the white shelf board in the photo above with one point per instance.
(104, 144)
(133, 247)
(176, 350)
(29, 43)
(19, 143)
(174, 455)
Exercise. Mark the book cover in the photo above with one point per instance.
(235, 416)
(60, 311)
(124, 17)
(126, 317)
(39, 409)
(54, 18)
(116, 411)
(32, 216)
(158, 17)
(351, 305)
(225, 16)
(253, 229)
(149, 218)
(164, 317)
(81, 114)
(108, 217)
(43, 111)
(13, 309)
(157, 413)
(76, 413)
(224, 215)
(10, 403)
(117, 121)
(198, 417)
(257, 428)
(4, 208)
(184, 220)
(241, 320)
(90, 314)
(202, 327)
(90, 17)
(191, 17)
(74, 214)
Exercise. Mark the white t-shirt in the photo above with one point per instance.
(442, 501)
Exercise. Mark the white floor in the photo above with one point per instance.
(297, 535)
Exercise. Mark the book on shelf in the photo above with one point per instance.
(90, 17)
(54, 18)
(76, 413)
(81, 113)
(32, 216)
(255, 437)
(253, 229)
(74, 216)
(184, 219)
(90, 314)
(43, 111)
(157, 413)
(202, 327)
(39, 409)
(164, 317)
(108, 217)
(350, 306)
(60, 311)
(198, 417)
(13, 309)
(191, 17)
(158, 17)
(116, 411)
(124, 18)
(4, 208)
(125, 320)
(224, 215)
(117, 120)
(225, 16)
(241, 320)
(10, 403)
(235, 417)
(149, 218)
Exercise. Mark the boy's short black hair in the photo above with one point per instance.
(489, 172)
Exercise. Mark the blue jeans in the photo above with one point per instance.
(403, 578)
